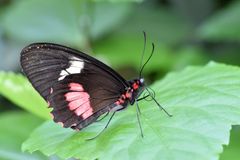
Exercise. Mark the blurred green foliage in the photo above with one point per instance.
(15, 127)
(231, 152)
(19, 91)
(184, 33)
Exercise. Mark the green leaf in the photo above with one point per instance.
(204, 102)
(17, 89)
(231, 152)
(38, 20)
(223, 25)
(160, 27)
(117, 1)
(102, 23)
(15, 128)
(116, 48)
(69, 22)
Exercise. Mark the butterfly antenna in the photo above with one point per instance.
(103, 128)
(140, 74)
(153, 98)
(144, 48)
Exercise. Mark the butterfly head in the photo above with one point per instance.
(137, 84)
(135, 89)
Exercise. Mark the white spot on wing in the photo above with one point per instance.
(76, 66)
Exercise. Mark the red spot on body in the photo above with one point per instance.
(117, 103)
(135, 86)
(79, 101)
(121, 101)
(128, 94)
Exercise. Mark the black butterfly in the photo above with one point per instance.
(77, 86)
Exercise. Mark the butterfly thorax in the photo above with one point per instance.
(137, 87)
(134, 90)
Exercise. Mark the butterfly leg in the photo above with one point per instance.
(98, 120)
(103, 128)
(138, 117)
(139, 99)
(161, 107)
(153, 98)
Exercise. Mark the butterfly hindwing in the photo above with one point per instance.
(78, 87)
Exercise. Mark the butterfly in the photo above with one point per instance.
(77, 86)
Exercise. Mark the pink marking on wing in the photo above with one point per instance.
(88, 113)
(80, 102)
(70, 96)
(51, 90)
(73, 105)
(83, 108)
(48, 103)
(76, 87)
(51, 115)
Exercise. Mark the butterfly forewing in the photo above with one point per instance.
(77, 86)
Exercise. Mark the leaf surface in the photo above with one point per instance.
(17, 89)
(223, 26)
(204, 102)
(15, 128)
